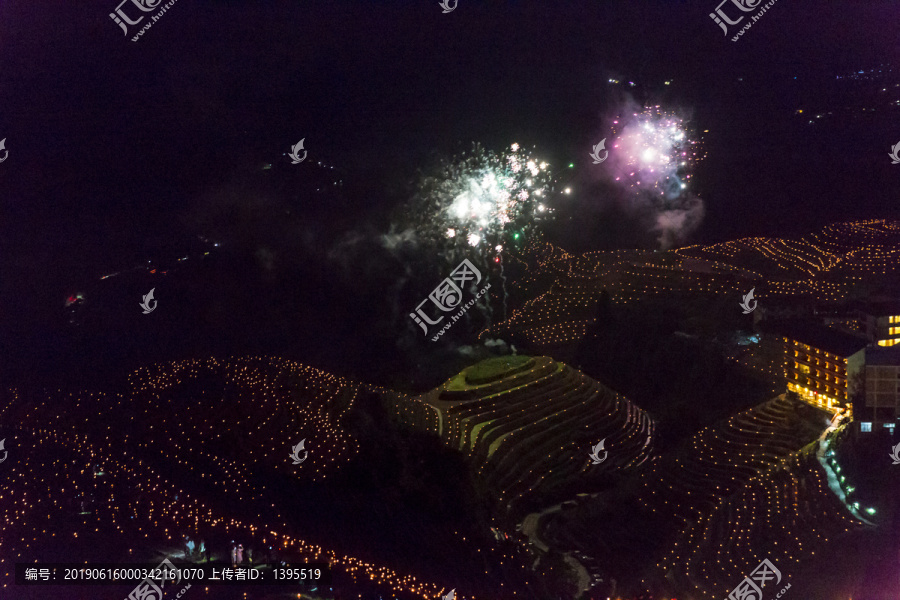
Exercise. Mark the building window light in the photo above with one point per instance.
(865, 426)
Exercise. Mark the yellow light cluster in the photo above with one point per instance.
(518, 432)
(269, 403)
(825, 267)
(785, 514)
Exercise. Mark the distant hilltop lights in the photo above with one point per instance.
(298, 156)
(268, 166)
(633, 84)
(156, 270)
(857, 85)
(867, 74)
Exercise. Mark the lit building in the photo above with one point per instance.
(820, 362)
(877, 400)
(880, 321)
(838, 370)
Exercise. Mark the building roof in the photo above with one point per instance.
(882, 309)
(819, 336)
(877, 355)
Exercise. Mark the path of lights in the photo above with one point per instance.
(837, 482)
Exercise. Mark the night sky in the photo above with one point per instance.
(126, 159)
(117, 149)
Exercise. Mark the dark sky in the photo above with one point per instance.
(111, 142)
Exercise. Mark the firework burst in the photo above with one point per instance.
(483, 200)
(652, 153)
(651, 159)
